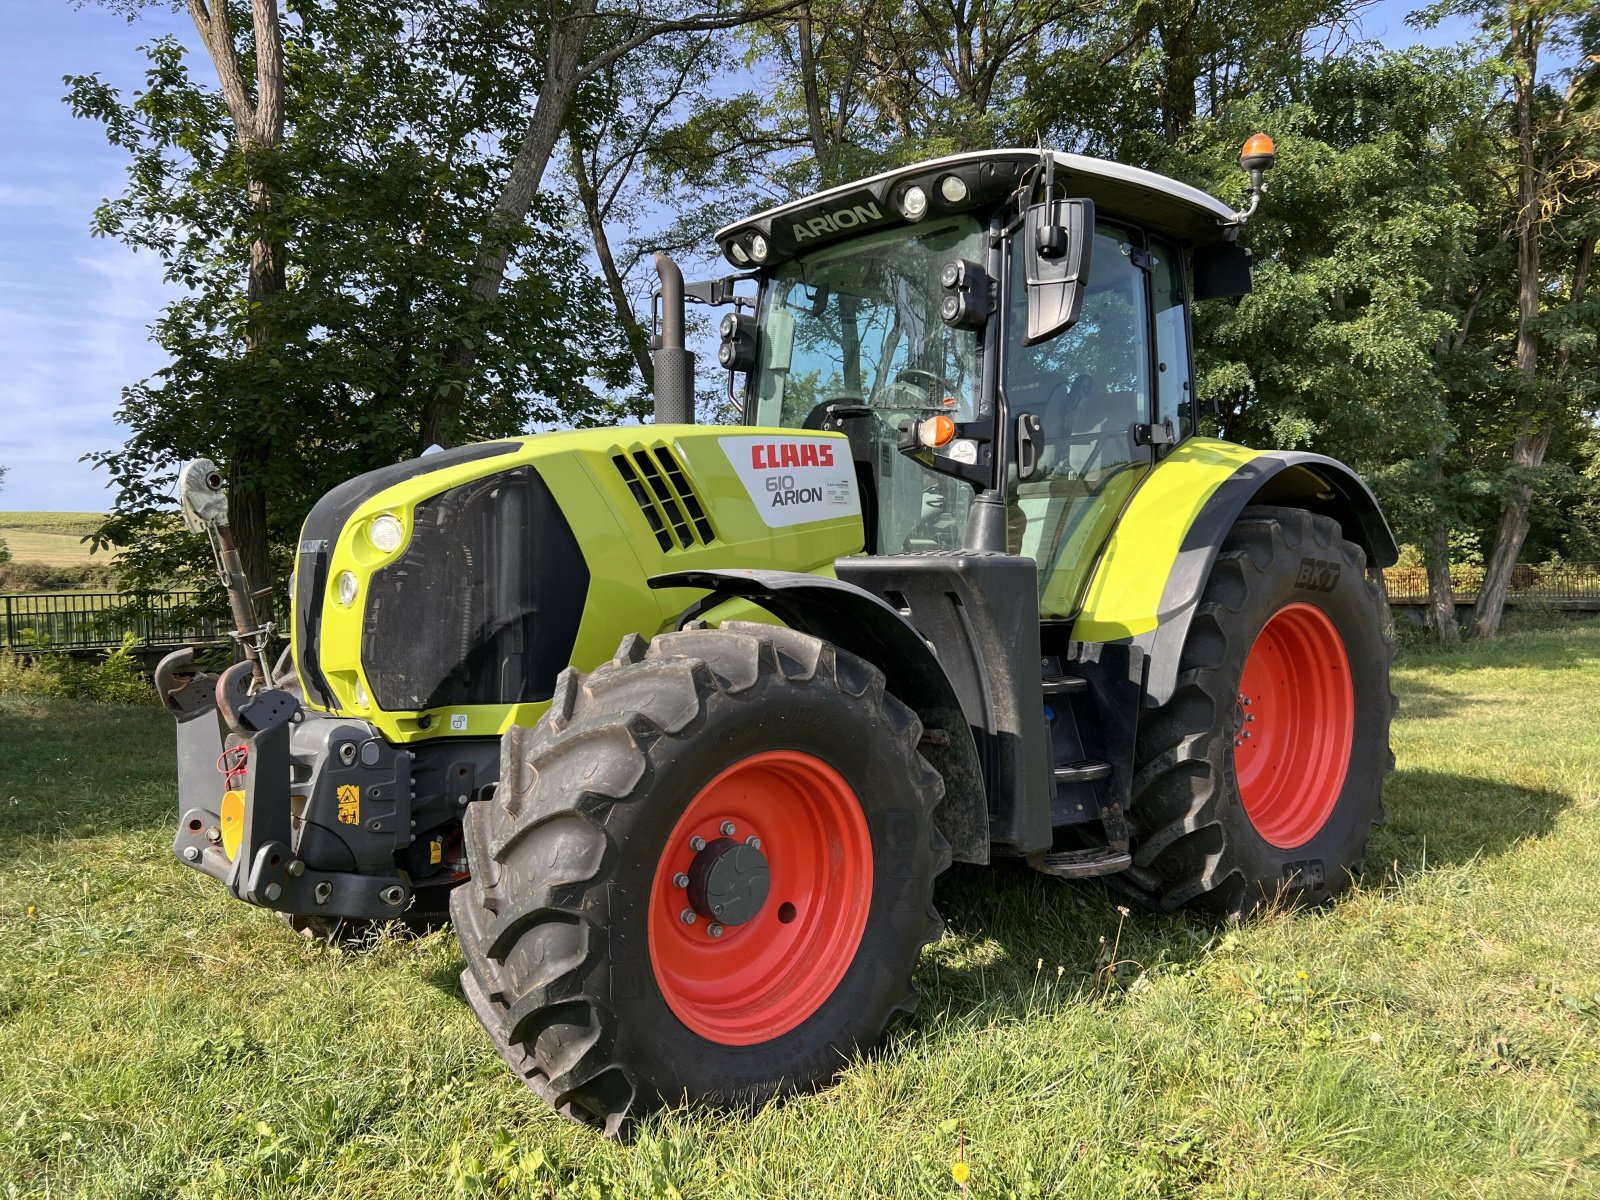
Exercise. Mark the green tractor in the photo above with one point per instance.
(680, 724)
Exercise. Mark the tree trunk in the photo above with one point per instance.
(588, 196)
(1441, 596)
(1528, 452)
(258, 130)
(563, 68)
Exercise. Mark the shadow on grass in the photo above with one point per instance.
(1017, 939)
(1017, 935)
(1437, 817)
(1422, 701)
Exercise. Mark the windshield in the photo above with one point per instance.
(859, 323)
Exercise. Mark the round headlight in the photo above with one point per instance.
(347, 588)
(736, 252)
(759, 248)
(953, 188)
(386, 533)
(729, 326)
(914, 203)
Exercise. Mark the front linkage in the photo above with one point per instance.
(305, 813)
(318, 773)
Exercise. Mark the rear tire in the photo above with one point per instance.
(593, 985)
(1261, 778)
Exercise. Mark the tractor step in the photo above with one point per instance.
(1087, 771)
(1080, 864)
(1065, 685)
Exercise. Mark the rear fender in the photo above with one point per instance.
(858, 621)
(1148, 583)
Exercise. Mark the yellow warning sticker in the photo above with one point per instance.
(435, 852)
(349, 804)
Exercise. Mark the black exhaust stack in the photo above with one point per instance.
(674, 364)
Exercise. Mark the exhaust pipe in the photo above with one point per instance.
(674, 364)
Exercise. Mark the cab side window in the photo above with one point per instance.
(1174, 386)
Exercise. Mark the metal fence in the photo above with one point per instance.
(100, 620)
(1563, 582)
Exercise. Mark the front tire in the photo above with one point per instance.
(625, 949)
(1261, 778)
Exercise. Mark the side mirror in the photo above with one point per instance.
(1221, 271)
(1057, 239)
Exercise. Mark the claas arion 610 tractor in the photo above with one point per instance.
(680, 723)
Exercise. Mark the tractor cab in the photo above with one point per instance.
(1007, 326)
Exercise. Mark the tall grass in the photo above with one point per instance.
(1434, 1034)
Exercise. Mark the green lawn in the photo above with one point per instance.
(1435, 1034)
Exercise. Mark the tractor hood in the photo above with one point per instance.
(444, 595)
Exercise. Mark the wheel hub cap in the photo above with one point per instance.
(728, 882)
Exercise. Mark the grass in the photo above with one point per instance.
(53, 538)
(1434, 1034)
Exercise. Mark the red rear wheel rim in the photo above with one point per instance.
(1296, 721)
(762, 978)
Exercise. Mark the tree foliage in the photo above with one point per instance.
(399, 129)
(1424, 305)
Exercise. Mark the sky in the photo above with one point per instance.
(75, 310)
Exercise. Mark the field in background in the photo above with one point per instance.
(50, 537)
(1435, 1034)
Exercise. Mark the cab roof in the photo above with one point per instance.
(1159, 203)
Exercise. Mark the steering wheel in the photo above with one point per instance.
(936, 386)
(818, 416)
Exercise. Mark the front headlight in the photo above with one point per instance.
(386, 533)
(348, 587)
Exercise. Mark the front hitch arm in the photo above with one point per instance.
(265, 871)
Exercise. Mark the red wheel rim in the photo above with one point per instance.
(762, 978)
(1295, 722)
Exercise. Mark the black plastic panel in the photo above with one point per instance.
(484, 604)
(980, 614)
(323, 524)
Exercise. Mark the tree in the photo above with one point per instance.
(576, 42)
(393, 144)
(1555, 135)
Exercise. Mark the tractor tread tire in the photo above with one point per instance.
(535, 920)
(1189, 827)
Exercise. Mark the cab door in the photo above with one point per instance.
(1094, 388)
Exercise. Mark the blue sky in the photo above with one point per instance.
(75, 310)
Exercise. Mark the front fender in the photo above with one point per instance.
(1148, 582)
(855, 620)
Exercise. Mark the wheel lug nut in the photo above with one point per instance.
(687, 916)
(727, 829)
(714, 929)
(680, 880)
(697, 843)
(753, 842)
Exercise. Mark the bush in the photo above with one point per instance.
(115, 679)
(45, 577)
